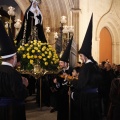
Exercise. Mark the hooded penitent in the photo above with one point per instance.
(87, 42)
(86, 47)
(66, 54)
(7, 47)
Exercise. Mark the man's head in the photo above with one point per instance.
(107, 66)
(63, 64)
(83, 58)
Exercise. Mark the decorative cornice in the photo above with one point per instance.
(75, 9)
(116, 43)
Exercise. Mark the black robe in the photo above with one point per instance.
(28, 18)
(86, 103)
(63, 97)
(114, 112)
(12, 94)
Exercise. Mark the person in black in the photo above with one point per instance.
(114, 109)
(86, 92)
(62, 84)
(62, 91)
(53, 94)
(33, 17)
(13, 89)
(108, 76)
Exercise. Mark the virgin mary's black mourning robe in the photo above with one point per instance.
(12, 94)
(86, 97)
(28, 19)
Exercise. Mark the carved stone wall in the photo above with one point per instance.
(105, 14)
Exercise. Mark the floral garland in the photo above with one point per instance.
(36, 52)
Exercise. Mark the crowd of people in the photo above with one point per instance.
(92, 92)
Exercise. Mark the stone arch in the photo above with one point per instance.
(112, 25)
(23, 4)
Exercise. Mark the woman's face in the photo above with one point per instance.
(35, 4)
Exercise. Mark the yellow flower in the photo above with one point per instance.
(18, 49)
(38, 51)
(39, 45)
(50, 48)
(39, 42)
(28, 54)
(44, 59)
(35, 41)
(31, 62)
(26, 45)
(35, 56)
(15, 41)
(47, 49)
(40, 57)
(33, 51)
(43, 54)
(24, 56)
(28, 57)
(46, 63)
(22, 48)
(31, 45)
(36, 48)
(48, 56)
(31, 56)
(46, 52)
(53, 59)
(28, 49)
(43, 49)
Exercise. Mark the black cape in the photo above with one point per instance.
(11, 88)
(28, 18)
(114, 110)
(63, 97)
(86, 105)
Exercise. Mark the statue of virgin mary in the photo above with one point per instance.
(32, 18)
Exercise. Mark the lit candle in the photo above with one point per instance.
(11, 11)
(17, 25)
(63, 19)
(55, 35)
(47, 29)
(71, 29)
(65, 29)
(6, 25)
